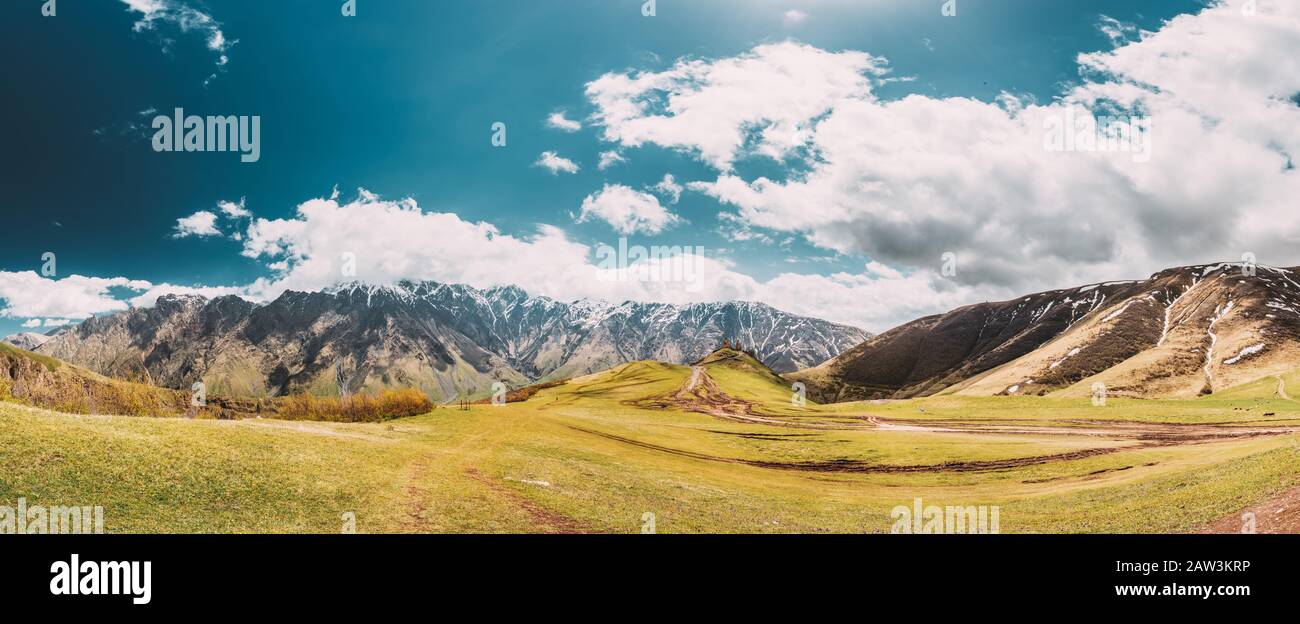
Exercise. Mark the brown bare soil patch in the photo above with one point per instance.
(1280, 514)
(416, 520)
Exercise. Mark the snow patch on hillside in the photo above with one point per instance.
(1219, 313)
(1244, 353)
(1072, 353)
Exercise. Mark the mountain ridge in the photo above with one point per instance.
(448, 340)
(1181, 332)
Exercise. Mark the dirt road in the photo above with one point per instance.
(1281, 387)
(1280, 514)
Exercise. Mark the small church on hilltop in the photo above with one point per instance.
(727, 344)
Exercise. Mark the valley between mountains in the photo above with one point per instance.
(991, 406)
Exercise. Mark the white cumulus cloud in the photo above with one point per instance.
(670, 188)
(905, 181)
(709, 107)
(609, 159)
(627, 210)
(556, 164)
(233, 210)
(202, 223)
(26, 294)
(559, 121)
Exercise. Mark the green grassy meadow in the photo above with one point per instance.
(597, 453)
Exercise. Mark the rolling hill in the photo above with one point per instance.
(44, 381)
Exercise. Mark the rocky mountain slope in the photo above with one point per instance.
(1180, 333)
(447, 340)
(26, 340)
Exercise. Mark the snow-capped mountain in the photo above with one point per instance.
(449, 340)
(544, 338)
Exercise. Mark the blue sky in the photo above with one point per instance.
(400, 100)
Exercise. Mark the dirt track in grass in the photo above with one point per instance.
(701, 394)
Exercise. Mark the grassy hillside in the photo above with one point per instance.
(46, 382)
(718, 450)
(43, 381)
(1282, 386)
